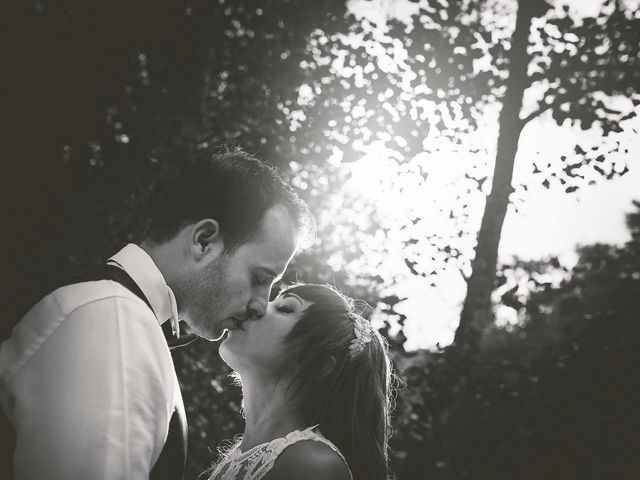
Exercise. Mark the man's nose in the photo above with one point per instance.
(257, 307)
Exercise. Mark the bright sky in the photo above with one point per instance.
(551, 222)
(547, 222)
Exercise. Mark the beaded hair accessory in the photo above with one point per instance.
(364, 333)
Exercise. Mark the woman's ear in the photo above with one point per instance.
(328, 365)
(206, 238)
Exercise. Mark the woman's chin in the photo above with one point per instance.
(230, 335)
(229, 349)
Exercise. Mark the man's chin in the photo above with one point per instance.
(220, 337)
(214, 335)
(212, 330)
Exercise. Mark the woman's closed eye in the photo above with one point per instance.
(284, 309)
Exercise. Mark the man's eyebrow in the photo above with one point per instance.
(292, 295)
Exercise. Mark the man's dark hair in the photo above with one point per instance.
(235, 189)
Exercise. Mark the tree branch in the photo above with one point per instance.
(538, 112)
(557, 102)
(564, 73)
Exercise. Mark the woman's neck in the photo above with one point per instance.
(269, 412)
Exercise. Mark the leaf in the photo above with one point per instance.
(411, 265)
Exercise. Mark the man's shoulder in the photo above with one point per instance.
(70, 298)
(72, 310)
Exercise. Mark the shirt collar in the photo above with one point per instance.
(142, 269)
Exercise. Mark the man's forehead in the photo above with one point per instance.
(277, 232)
(272, 257)
(275, 242)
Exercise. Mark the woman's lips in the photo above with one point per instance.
(237, 324)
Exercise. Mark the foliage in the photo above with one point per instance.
(103, 102)
(554, 396)
(431, 84)
(567, 49)
(586, 73)
(391, 101)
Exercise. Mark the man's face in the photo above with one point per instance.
(236, 285)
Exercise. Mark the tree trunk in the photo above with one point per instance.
(477, 313)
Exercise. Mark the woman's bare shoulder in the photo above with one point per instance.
(311, 460)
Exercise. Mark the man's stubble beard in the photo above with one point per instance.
(206, 296)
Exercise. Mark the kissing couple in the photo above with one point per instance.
(88, 388)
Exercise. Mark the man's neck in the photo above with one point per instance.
(160, 254)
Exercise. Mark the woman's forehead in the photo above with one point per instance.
(292, 295)
(311, 294)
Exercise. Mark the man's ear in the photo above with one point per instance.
(206, 238)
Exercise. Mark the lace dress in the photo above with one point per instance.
(257, 461)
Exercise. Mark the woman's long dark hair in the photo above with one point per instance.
(349, 396)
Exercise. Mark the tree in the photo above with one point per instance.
(551, 396)
(417, 88)
(588, 63)
(477, 310)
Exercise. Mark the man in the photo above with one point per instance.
(86, 378)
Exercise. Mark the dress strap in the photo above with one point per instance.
(256, 462)
(278, 446)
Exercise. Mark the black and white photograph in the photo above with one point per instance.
(320, 240)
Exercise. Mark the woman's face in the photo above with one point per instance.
(258, 345)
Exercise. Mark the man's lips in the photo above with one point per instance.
(236, 324)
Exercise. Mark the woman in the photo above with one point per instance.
(316, 391)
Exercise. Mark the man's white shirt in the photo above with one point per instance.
(87, 378)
